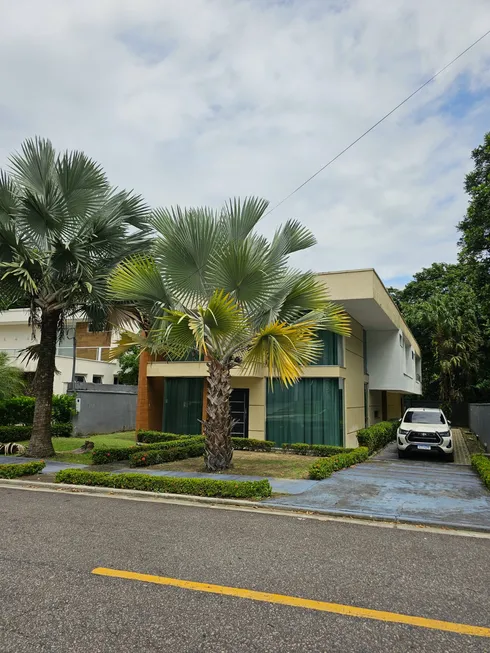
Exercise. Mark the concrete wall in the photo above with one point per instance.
(394, 405)
(105, 408)
(390, 363)
(354, 384)
(480, 422)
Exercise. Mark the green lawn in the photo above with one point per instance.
(251, 463)
(63, 446)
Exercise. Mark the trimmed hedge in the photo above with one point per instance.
(149, 437)
(323, 450)
(167, 455)
(20, 410)
(17, 433)
(482, 465)
(249, 444)
(324, 467)
(106, 455)
(203, 487)
(377, 436)
(21, 469)
(245, 444)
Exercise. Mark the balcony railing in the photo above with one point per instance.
(100, 354)
(88, 353)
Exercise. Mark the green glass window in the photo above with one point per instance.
(182, 408)
(330, 354)
(310, 411)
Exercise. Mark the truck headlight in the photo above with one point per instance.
(403, 432)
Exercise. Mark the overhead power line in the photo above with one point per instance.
(387, 115)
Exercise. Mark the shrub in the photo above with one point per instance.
(249, 444)
(324, 467)
(157, 436)
(17, 433)
(104, 455)
(314, 449)
(377, 436)
(21, 469)
(157, 456)
(62, 430)
(20, 410)
(204, 487)
(482, 465)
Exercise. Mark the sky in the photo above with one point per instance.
(195, 101)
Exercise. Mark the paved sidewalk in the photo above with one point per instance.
(279, 485)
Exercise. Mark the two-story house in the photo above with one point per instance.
(358, 381)
(92, 349)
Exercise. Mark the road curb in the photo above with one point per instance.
(257, 506)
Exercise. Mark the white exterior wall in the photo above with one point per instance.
(391, 365)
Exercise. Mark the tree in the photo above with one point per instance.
(475, 227)
(214, 285)
(129, 362)
(63, 228)
(456, 342)
(11, 378)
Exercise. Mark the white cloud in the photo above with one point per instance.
(195, 101)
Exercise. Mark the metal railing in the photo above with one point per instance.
(100, 354)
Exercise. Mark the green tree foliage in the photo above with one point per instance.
(63, 228)
(475, 227)
(129, 362)
(216, 286)
(11, 378)
(446, 317)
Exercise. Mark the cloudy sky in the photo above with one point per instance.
(193, 101)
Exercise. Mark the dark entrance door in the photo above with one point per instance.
(239, 412)
(384, 405)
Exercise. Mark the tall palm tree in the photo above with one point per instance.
(63, 228)
(214, 285)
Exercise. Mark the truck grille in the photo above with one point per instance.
(430, 438)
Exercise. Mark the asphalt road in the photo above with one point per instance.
(51, 602)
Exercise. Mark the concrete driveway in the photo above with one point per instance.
(409, 490)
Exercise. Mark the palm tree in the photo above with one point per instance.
(214, 285)
(11, 378)
(63, 228)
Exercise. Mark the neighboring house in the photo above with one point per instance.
(359, 380)
(92, 351)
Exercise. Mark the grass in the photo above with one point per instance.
(64, 446)
(472, 442)
(251, 463)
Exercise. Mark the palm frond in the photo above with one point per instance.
(284, 349)
(138, 280)
(291, 237)
(34, 166)
(239, 217)
(187, 239)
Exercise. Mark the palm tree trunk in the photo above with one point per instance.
(217, 426)
(40, 445)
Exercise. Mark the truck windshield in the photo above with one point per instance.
(421, 417)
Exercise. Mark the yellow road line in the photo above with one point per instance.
(297, 602)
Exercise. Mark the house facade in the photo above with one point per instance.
(358, 381)
(92, 350)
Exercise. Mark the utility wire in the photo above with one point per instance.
(387, 115)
